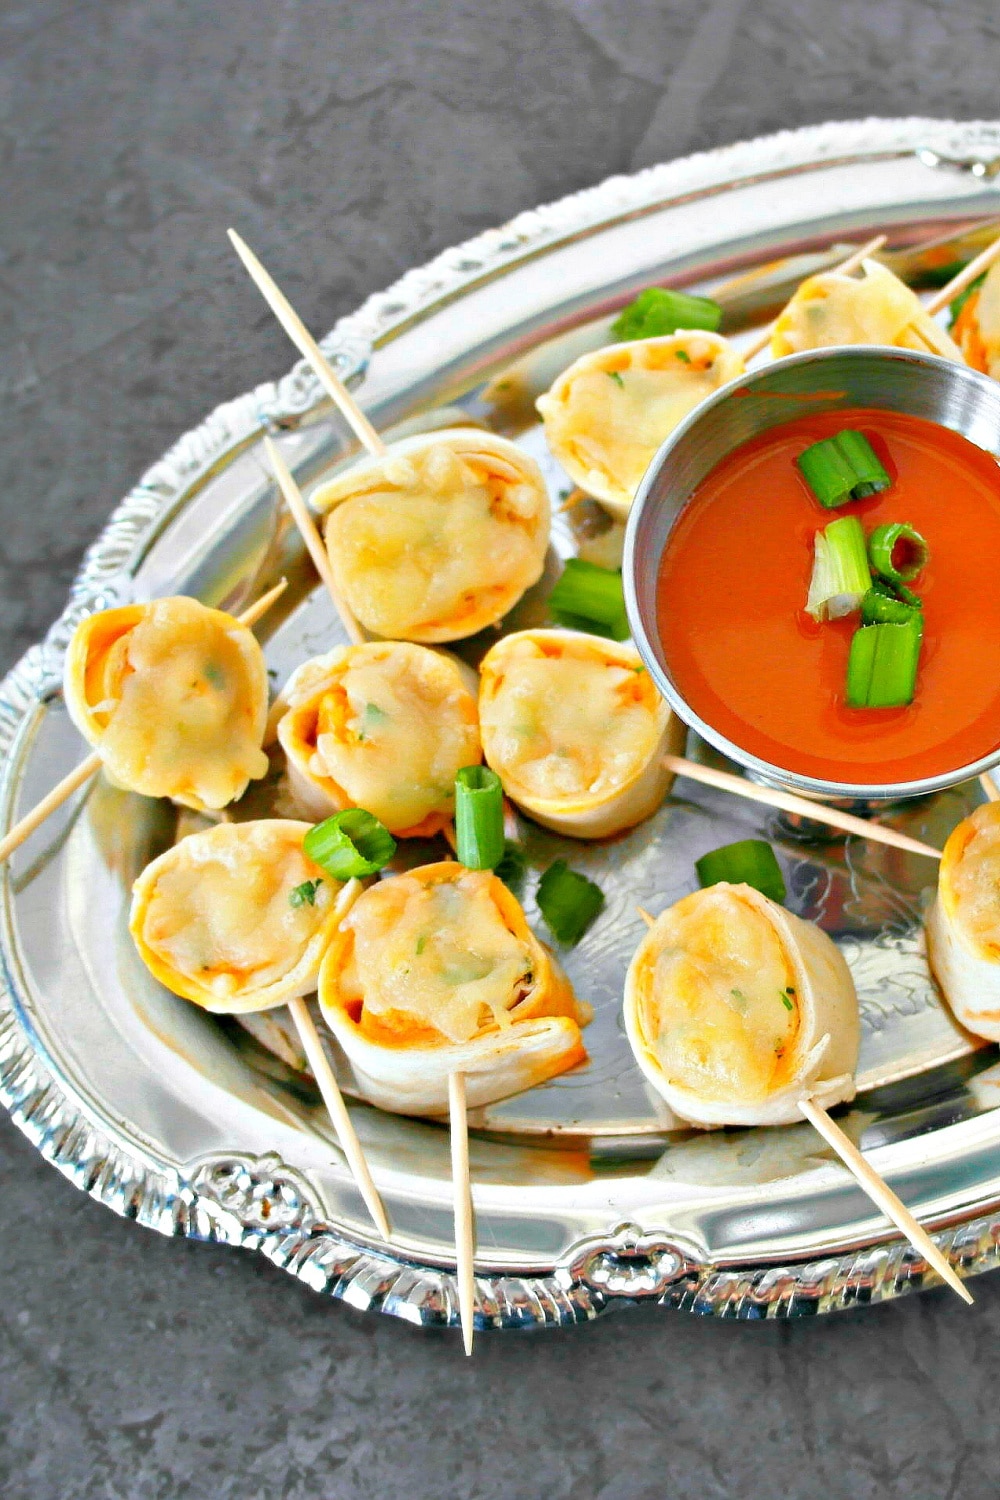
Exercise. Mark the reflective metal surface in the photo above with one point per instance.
(585, 1194)
(897, 380)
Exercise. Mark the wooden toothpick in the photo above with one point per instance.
(844, 269)
(989, 786)
(965, 277)
(819, 812)
(882, 1195)
(310, 535)
(462, 1191)
(308, 347)
(88, 768)
(329, 1089)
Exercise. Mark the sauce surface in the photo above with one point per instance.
(732, 590)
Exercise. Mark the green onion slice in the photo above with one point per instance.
(749, 862)
(954, 308)
(479, 818)
(351, 844)
(841, 576)
(304, 894)
(513, 867)
(882, 666)
(568, 901)
(658, 311)
(885, 605)
(842, 468)
(897, 551)
(590, 598)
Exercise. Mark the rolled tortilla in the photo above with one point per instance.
(875, 308)
(174, 697)
(735, 1010)
(608, 413)
(237, 918)
(439, 538)
(576, 731)
(963, 924)
(384, 726)
(436, 971)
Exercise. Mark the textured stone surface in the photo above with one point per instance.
(350, 140)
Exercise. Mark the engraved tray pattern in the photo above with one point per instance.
(253, 1198)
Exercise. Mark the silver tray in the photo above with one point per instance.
(587, 1194)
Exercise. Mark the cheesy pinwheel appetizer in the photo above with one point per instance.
(736, 1009)
(384, 726)
(236, 918)
(576, 731)
(439, 538)
(606, 415)
(876, 308)
(174, 697)
(977, 328)
(963, 925)
(437, 971)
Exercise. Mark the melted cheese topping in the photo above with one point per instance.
(721, 1011)
(876, 308)
(184, 696)
(564, 720)
(393, 730)
(220, 912)
(606, 415)
(440, 954)
(971, 878)
(435, 543)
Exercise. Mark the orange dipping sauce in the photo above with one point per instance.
(748, 659)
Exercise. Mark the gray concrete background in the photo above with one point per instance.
(349, 140)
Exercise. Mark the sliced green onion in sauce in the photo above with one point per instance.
(590, 598)
(841, 576)
(898, 552)
(479, 818)
(568, 901)
(842, 468)
(882, 666)
(748, 862)
(885, 605)
(658, 311)
(351, 844)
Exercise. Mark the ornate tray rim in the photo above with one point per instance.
(260, 1203)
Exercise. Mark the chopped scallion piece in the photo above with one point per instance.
(568, 901)
(954, 308)
(884, 605)
(304, 894)
(882, 666)
(479, 818)
(842, 468)
(513, 867)
(749, 862)
(658, 311)
(897, 552)
(351, 844)
(590, 598)
(841, 576)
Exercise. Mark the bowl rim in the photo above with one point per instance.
(759, 768)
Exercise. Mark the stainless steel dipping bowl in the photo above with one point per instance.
(896, 380)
